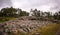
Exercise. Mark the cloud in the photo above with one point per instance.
(5, 3)
(39, 4)
(45, 5)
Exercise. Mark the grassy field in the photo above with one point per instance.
(3, 19)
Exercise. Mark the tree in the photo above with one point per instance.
(24, 13)
(57, 15)
(35, 12)
(1, 14)
(8, 11)
(48, 14)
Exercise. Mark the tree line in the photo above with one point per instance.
(39, 13)
(16, 12)
(12, 12)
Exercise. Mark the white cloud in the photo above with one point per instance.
(46, 5)
(39, 4)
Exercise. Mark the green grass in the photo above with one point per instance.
(3, 19)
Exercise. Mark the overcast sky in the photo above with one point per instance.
(45, 5)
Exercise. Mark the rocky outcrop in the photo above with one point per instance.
(23, 24)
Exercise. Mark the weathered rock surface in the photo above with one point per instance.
(23, 24)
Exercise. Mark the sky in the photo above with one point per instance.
(43, 5)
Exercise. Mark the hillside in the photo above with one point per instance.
(28, 25)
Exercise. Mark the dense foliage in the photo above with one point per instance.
(12, 12)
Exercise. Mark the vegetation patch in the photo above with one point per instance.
(47, 30)
(3, 19)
